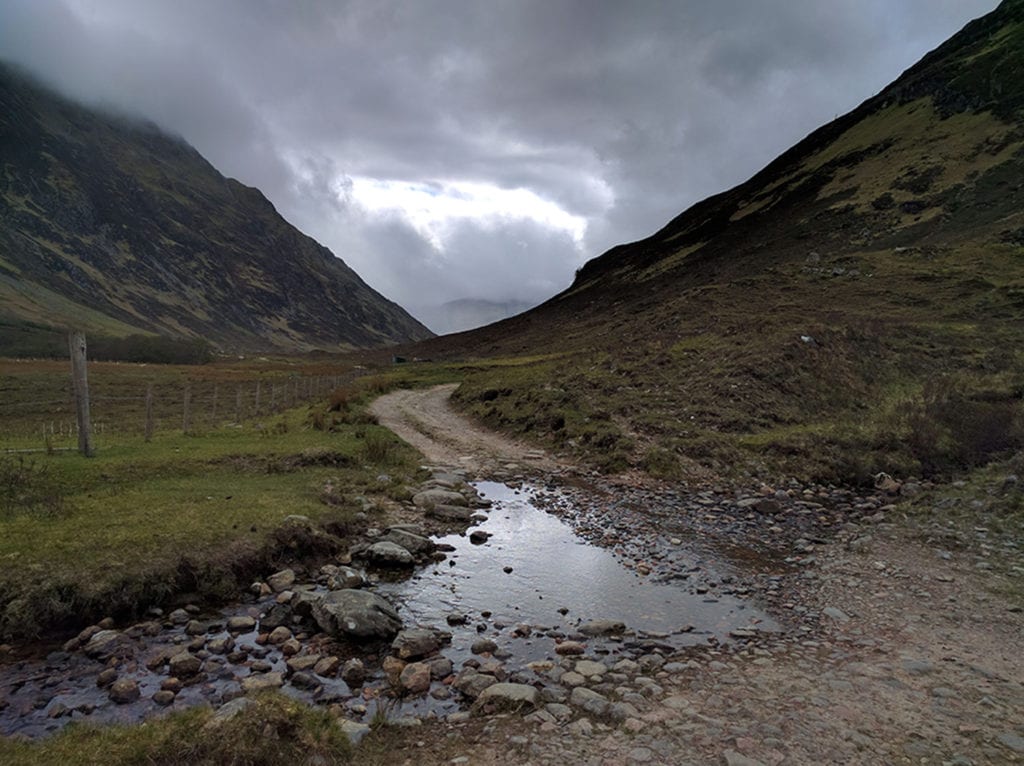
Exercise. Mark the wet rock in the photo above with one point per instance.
(276, 616)
(431, 498)
(415, 544)
(241, 623)
(507, 696)
(602, 628)
(472, 684)
(415, 678)
(440, 667)
(221, 645)
(178, 617)
(184, 665)
(108, 643)
(483, 646)
(346, 577)
(414, 643)
(452, 513)
(106, 678)
(195, 628)
(263, 681)
(171, 685)
(124, 691)
(327, 666)
(388, 554)
(570, 648)
(163, 698)
(393, 667)
(304, 680)
(456, 619)
(478, 536)
(354, 672)
(279, 635)
(302, 664)
(281, 581)
(291, 647)
(356, 613)
(572, 678)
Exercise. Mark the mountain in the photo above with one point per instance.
(114, 226)
(467, 313)
(858, 305)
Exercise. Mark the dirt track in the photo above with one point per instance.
(424, 419)
(910, 658)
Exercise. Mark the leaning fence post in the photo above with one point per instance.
(80, 381)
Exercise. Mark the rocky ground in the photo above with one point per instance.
(894, 650)
(882, 647)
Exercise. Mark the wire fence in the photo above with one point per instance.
(45, 419)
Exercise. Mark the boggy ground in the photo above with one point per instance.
(893, 650)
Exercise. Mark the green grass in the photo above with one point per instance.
(276, 730)
(140, 521)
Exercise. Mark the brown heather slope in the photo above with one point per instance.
(855, 306)
(117, 227)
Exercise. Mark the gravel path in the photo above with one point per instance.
(894, 652)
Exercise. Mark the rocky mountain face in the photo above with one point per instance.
(841, 305)
(116, 227)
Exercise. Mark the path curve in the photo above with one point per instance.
(425, 419)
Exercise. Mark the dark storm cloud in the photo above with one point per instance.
(622, 114)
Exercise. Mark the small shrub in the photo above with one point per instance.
(29, 488)
(378, 449)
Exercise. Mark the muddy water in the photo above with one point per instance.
(532, 571)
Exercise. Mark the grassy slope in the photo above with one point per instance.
(829, 318)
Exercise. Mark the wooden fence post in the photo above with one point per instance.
(214, 417)
(80, 381)
(256, 405)
(238, 405)
(149, 413)
(186, 415)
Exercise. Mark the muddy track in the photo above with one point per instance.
(425, 419)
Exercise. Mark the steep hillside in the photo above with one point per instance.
(117, 227)
(857, 305)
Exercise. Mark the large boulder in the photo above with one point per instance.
(432, 497)
(108, 643)
(389, 554)
(356, 614)
(456, 513)
(415, 544)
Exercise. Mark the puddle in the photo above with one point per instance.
(552, 569)
(533, 570)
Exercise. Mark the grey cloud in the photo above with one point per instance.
(623, 113)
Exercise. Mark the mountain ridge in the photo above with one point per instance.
(141, 233)
(821, 316)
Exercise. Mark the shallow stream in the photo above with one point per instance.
(530, 584)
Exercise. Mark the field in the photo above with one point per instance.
(194, 512)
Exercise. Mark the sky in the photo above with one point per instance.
(479, 149)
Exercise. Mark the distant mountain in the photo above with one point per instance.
(116, 227)
(856, 305)
(467, 313)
